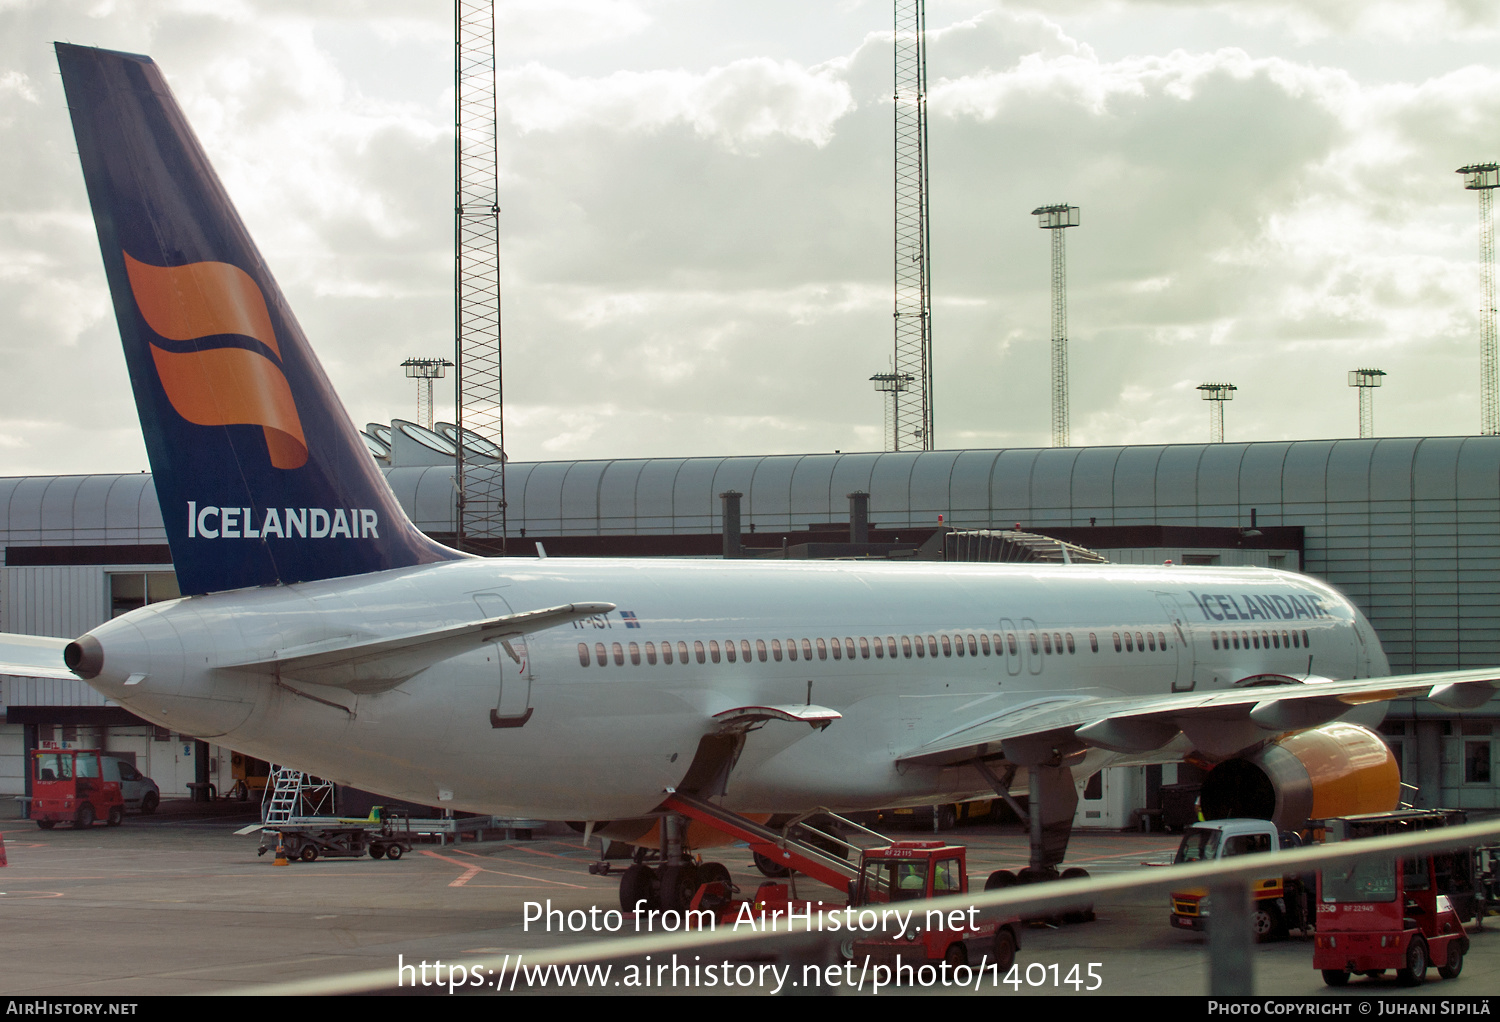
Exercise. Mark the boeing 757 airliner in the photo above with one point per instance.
(319, 628)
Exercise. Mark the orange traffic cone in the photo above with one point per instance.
(280, 851)
(2, 849)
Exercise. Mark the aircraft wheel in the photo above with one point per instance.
(1335, 977)
(770, 867)
(85, 817)
(377, 851)
(1416, 963)
(1084, 913)
(116, 816)
(1005, 949)
(639, 883)
(309, 852)
(688, 881)
(945, 818)
(1000, 878)
(394, 852)
(1455, 963)
(715, 873)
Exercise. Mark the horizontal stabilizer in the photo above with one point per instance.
(369, 664)
(33, 656)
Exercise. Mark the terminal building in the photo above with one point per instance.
(1408, 528)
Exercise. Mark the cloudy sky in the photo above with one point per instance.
(697, 213)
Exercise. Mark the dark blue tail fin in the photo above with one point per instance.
(261, 476)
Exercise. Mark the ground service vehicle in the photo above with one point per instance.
(1281, 901)
(887, 874)
(1378, 914)
(70, 785)
(384, 834)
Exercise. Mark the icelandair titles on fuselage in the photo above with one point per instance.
(1245, 607)
(284, 523)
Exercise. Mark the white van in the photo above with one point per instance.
(138, 791)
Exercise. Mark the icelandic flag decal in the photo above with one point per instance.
(628, 616)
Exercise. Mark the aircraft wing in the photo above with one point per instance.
(33, 656)
(1228, 717)
(369, 664)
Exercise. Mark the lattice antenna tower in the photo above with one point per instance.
(424, 371)
(478, 381)
(1055, 219)
(1484, 178)
(1366, 380)
(1216, 394)
(909, 427)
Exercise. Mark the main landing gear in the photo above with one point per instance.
(669, 886)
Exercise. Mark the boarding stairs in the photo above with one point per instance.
(793, 846)
(294, 793)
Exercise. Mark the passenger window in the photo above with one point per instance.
(838, 648)
(1010, 640)
(791, 649)
(583, 653)
(947, 646)
(984, 642)
(666, 653)
(849, 647)
(1057, 642)
(1035, 649)
(600, 654)
(619, 654)
(806, 650)
(745, 650)
(635, 654)
(1046, 643)
(729, 653)
(682, 652)
(1129, 644)
(932, 645)
(1305, 643)
(879, 644)
(698, 650)
(651, 653)
(1070, 642)
(974, 645)
(864, 648)
(906, 646)
(1151, 641)
(822, 649)
(775, 650)
(1216, 640)
(1161, 639)
(1117, 642)
(1094, 642)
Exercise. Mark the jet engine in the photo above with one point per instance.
(1335, 770)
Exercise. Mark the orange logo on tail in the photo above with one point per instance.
(218, 386)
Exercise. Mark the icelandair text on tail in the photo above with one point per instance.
(286, 523)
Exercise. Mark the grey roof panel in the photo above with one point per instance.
(932, 486)
(1093, 490)
(811, 489)
(580, 496)
(1478, 468)
(1349, 470)
(890, 490)
(769, 498)
(1219, 474)
(969, 492)
(1135, 477)
(1391, 468)
(1177, 475)
(1010, 484)
(695, 499)
(1052, 480)
(1435, 469)
(1305, 478)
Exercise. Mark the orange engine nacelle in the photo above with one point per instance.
(1335, 770)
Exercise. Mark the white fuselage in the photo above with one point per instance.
(604, 740)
